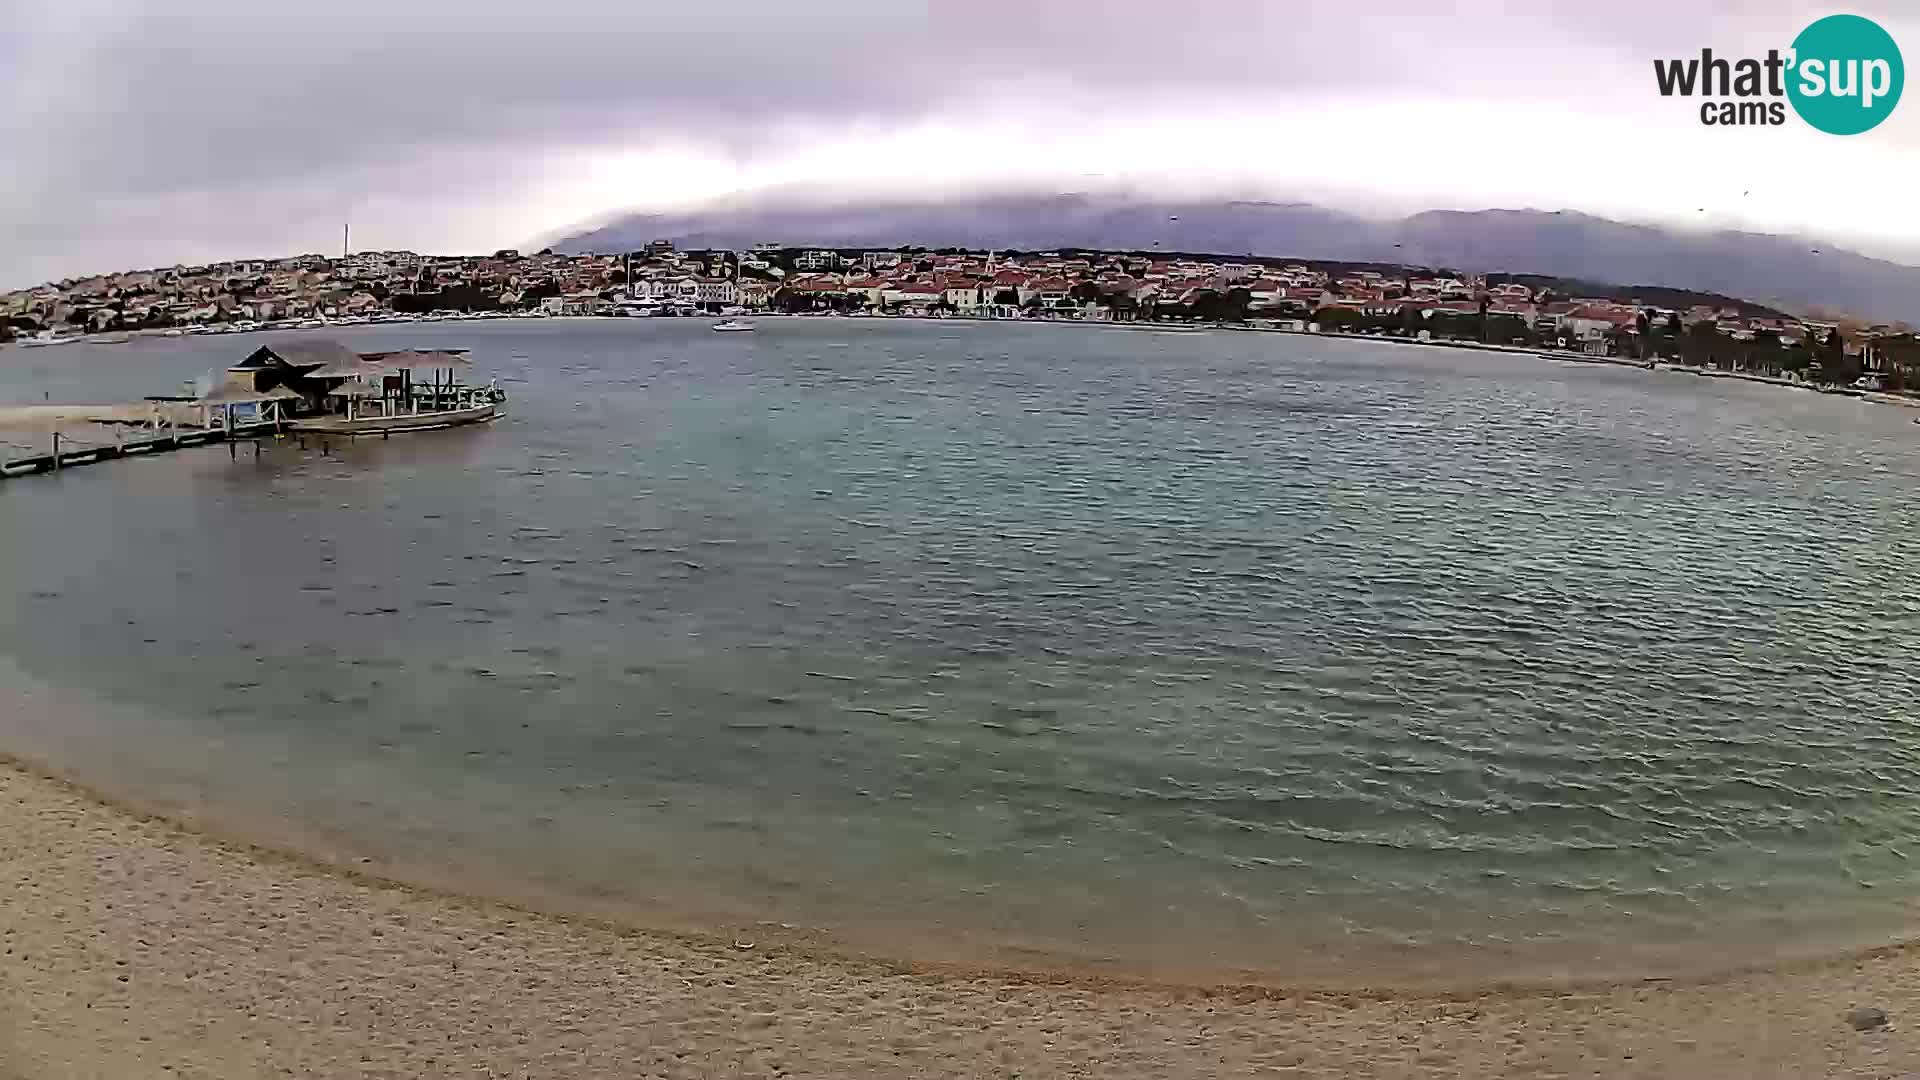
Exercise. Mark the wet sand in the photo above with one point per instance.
(134, 948)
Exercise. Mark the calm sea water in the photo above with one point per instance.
(1178, 653)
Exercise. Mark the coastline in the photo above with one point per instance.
(138, 948)
(1879, 397)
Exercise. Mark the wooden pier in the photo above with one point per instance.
(168, 441)
(309, 388)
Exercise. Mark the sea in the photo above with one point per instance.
(1223, 656)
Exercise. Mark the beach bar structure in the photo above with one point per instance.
(321, 385)
(308, 385)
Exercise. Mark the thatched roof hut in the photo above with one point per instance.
(234, 393)
(303, 354)
(420, 359)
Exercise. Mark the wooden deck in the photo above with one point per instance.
(432, 420)
(163, 443)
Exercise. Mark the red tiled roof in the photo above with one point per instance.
(1614, 315)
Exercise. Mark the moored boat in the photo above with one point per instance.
(391, 423)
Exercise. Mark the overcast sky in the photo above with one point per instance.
(141, 134)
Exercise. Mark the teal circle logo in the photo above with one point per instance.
(1846, 74)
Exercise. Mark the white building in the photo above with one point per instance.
(687, 290)
(664, 289)
(966, 298)
(721, 291)
(817, 260)
(912, 295)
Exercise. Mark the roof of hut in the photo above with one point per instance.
(301, 353)
(229, 393)
(355, 367)
(419, 358)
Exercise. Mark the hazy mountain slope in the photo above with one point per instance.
(1770, 269)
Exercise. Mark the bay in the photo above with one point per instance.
(1227, 654)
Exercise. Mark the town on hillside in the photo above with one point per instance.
(1420, 303)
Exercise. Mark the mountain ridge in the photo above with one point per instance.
(1780, 271)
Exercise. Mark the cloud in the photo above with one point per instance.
(146, 134)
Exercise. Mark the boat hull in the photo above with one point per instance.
(394, 425)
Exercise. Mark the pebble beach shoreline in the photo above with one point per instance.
(135, 948)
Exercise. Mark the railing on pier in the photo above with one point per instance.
(89, 454)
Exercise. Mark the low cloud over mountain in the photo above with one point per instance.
(1782, 271)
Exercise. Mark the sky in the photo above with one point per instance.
(149, 134)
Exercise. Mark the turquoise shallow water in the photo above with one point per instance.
(1317, 659)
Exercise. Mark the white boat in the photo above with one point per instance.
(732, 326)
(384, 424)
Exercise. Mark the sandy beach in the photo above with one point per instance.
(137, 949)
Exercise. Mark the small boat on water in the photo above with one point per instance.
(732, 326)
(476, 410)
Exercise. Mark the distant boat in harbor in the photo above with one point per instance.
(732, 326)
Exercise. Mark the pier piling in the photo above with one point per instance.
(171, 438)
